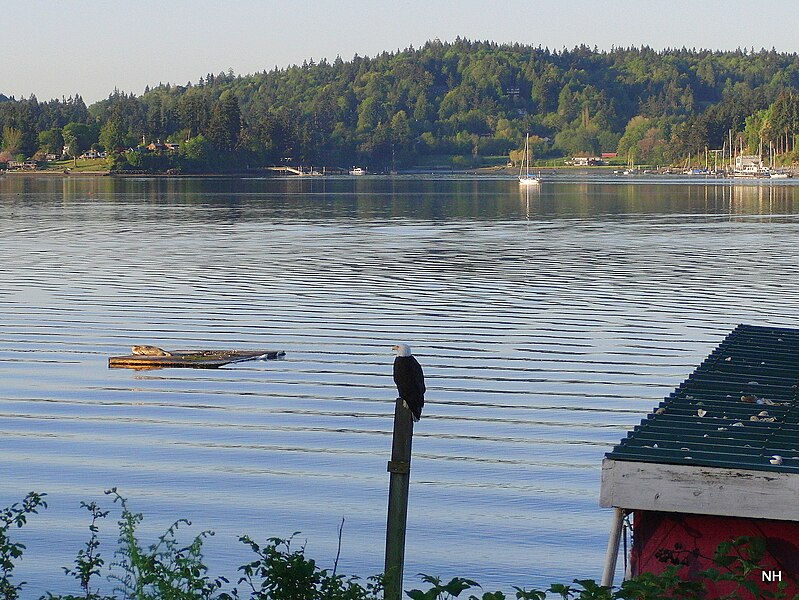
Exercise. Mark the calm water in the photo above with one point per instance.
(548, 324)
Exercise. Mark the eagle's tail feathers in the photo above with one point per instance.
(413, 414)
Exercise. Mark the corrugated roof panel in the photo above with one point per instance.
(738, 409)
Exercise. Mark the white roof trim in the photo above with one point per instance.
(699, 490)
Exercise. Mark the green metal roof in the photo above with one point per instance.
(737, 410)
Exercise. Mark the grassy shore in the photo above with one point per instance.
(79, 165)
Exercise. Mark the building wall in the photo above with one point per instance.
(659, 538)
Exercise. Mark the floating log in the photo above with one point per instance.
(198, 359)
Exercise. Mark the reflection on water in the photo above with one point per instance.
(379, 198)
(547, 322)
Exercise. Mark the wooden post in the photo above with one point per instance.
(400, 468)
(613, 547)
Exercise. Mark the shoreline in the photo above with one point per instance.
(511, 172)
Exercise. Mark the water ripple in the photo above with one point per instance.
(548, 324)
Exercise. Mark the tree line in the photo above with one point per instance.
(462, 99)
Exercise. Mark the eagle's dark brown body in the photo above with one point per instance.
(409, 377)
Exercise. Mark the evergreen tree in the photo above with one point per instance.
(462, 97)
(224, 127)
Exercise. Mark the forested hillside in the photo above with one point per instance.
(462, 99)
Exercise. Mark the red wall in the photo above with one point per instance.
(694, 538)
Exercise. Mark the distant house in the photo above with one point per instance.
(587, 161)
(19, 165)
(156, 146)
(749, 165)
(748, 161)
(159, 146)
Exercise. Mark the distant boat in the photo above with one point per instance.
(524, 169)
(357, 171)
(773, 172)
(631, 168)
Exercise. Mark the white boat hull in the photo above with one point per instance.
(524, 169)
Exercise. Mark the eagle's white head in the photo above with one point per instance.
(402, 349)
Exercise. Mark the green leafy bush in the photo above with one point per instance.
(280, 573)
(14, 516)
(170, 570)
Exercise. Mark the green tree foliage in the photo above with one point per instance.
(113, 136)
(51, 141)
(644, 140)
(538, 147)
(194, 110)
(224, 126)
(196, 154)
(12, 140)
(583, 141)
(31, 117)
(776, 126)
(460, 98)
(79, 137)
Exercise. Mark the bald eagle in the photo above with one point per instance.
(409, 378)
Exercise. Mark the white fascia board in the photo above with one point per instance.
(699, 490)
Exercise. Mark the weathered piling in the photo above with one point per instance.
(400, 469)
(613, 547)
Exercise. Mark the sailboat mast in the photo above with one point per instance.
(524, 167)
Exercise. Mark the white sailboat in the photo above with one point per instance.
(524, 170)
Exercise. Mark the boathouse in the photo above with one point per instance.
(716, 460)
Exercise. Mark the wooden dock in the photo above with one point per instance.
(197, 359)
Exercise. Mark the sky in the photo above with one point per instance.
(55, 49)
